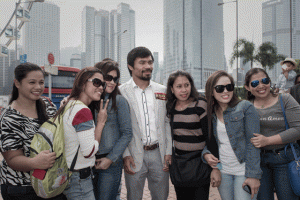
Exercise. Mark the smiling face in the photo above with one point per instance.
(111, 85)
(91, 92)
(262, 90)
(224, 97)
(142, 68)
(181, 88)
(32, 86)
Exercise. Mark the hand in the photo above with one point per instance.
(276, 90)
(215, 178)
(168, 161)
(103, 163)
(128, 162)
(102, 115)
(254, 184)
(65, 99)
(259, 140)
(211, 160)
(44, 160)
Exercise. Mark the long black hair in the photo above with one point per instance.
(106, 67)
(212, 103)
(21, 72)
(80, 80)
(249, 74)
(171, 98)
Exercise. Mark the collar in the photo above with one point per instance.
(228, 109)
(135, 86)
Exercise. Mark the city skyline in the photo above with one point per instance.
(149, 21)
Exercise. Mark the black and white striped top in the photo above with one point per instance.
(190, 127)
(16, 132)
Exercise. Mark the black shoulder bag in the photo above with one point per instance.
(188, 170)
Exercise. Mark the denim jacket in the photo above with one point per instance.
(117, 132)
(241, 122)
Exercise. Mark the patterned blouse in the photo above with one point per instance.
(190, 127)
(16, 132)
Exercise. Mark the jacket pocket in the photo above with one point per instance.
(236, 123)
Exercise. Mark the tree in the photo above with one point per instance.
(266, 54)
(247, 51)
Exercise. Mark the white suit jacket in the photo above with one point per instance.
(135, 147)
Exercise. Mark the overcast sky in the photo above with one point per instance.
(149, 21)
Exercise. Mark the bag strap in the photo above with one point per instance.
(287, 127)
(74, 160)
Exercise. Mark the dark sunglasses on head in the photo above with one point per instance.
(110, 77)
(255, 83)
(97, 83)
(221, 88)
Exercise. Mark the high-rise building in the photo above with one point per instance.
(7, 66)
(193, 38)
(155, 71)
(75, 61)
(42, 34)
(88, 36)
(66, 54)
(101, 35)
(276, 28)
(107, 34)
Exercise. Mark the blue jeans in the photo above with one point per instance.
(81, 189)
(107, 182)
(275, 174)
(231, 188)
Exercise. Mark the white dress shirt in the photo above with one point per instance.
(145, 100)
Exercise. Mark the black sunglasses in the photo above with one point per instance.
(255, 83)
(110, 77)
(97, 83)
(221, 88)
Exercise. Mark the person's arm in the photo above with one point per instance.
(252, 157)
(124, 123)
(87, 134)
(11, 147)
(19, 162)
(291, 75)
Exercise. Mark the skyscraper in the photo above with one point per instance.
(276, 28)
(42, 34)
(101, 35)
(7, 66)
(107, 34)
(125, 36)
(193, 38)
(88, 36)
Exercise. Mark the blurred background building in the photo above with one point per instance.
(193, 38)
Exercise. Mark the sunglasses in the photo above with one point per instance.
(221, 88)
(97, 83)
(255, 83)
(110, 77)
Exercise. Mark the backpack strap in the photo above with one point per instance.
(74, 160)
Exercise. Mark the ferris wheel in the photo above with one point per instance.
(12, 32)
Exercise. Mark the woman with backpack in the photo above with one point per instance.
(82, 137)
(18, 123)
(116, 135)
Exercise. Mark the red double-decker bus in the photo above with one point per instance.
(61, 84)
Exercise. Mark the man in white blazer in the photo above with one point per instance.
(148, 155)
